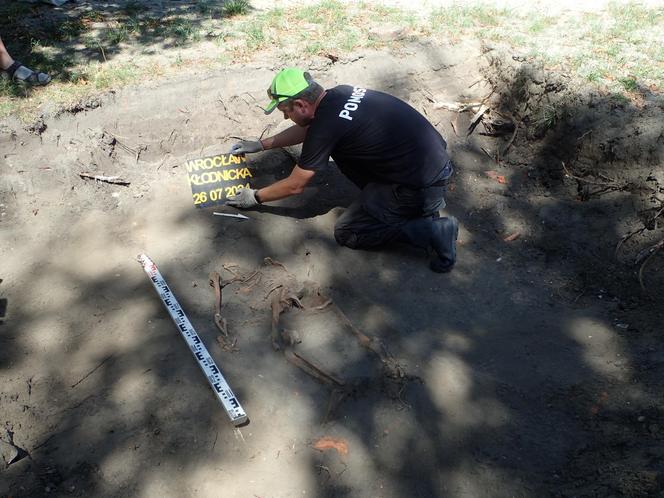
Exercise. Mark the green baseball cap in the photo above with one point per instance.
(287, 84)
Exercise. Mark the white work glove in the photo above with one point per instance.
(246, 198)
(246, 147)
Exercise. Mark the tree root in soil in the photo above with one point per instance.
(496, 124)
(646, 255)
(610, 185)
(604, 187)
(644, 258)
(627, 237)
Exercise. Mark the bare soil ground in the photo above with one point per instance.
(533, 369)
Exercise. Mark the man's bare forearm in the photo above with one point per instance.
(279, 190)
(292, 185)
(290, 136)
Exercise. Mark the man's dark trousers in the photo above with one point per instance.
(386, 213)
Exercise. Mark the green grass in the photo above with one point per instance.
(14, 11)
(256, 37)
(178, 29)
(327, 12)
(632, 17)
(90, 42)
(116, 35)
(350, 40)
(132, 8)
(325, 27)
(410, 20)
(540, 24)
(629, 84)
(208, 7)
(236, 8)
(614, 50)
(658, 53)
(275, 18)
(53, 32)
(619, 98)
(466, 16)
(517, 39)
(546, 118)
(79, 75)
(595, 75)
(218, 8)
(10, 89)
(314, 48)
(181, 30)
(105, 76)
(6, 106)
(623, 40)
(618, 50)
(92, 16)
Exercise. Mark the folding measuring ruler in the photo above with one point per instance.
(205, 361)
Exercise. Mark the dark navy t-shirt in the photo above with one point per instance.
(378, 135)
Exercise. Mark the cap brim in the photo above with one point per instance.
(271, 106)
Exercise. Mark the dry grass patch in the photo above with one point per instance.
(617, 50)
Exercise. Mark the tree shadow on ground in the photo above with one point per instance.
(565, 251)
(99, 31)
(328, 189)
(523, 391)
(552, 281)
(532, 402)
(592, 168)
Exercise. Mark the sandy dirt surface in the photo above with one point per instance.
(533, 369)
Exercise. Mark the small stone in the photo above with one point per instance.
(8, 452)
(641, 419)
(388, 32)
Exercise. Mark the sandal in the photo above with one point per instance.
(21, 74)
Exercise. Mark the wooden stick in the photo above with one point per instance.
(509, 144)
(116, 180)
(476, 119)
(92, 371)
(456, 106)
(626, 238)
(590, 182)
(476, 82)
(454, 128)
(487, 153)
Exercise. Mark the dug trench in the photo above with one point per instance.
(533, 366)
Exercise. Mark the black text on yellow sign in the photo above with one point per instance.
(213, 179)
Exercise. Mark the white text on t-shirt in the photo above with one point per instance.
(352, 103)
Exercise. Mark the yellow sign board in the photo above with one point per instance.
(213, 179)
